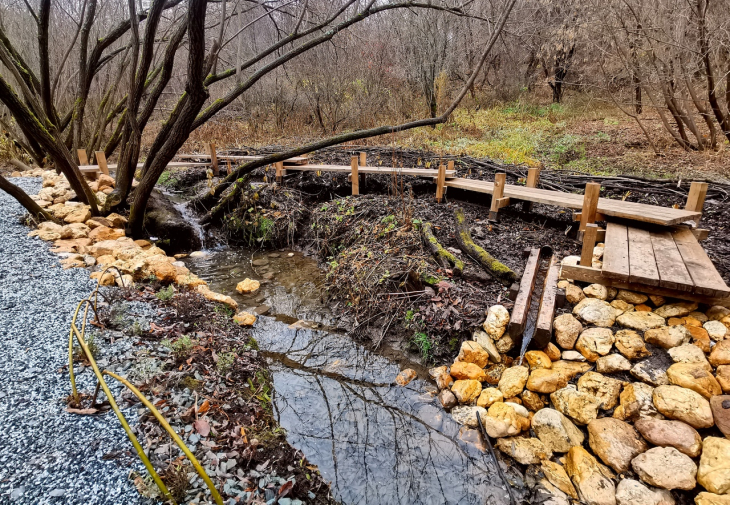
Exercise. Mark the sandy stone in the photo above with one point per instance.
(497, 321)
(466, 391)
(217, 297)
(574, 294)
(594, 343)
(244, 319)
(612, 363)
(556, 431)
(695, 377)
(566, 328)
(538, 359)
(467, 415)
(513, 381)
(546, 380)
(720, 406)
(668, 336)
(705, 498)
(666, 467)
(657, 300)
(504, 344)
(716, 330)
(689, 353)
(720, 354)
(593, 487)
(653, 370)
(640, 321)
(489, 396)
(633, 492)
(448, 399)
(532, 401)
(714, 471)
(117, 220)
(698, 334)
(526, 451)
(666, 433)
(405, 377)
(615, 442)
(78, 215)
(642, 307)
(717, 312)
(102, 233)
(621, 306)
(503, 421)
(631, 297)
(596, 312)
(631, 344)
(596, 291)
(558, 477)
(569, 369)
(552, 351)
(247, 286)
(488, 345)
(683, 404)
(605, 389)
(679, 309)
(472, 352)
(723, 377)
(636, 403)
(441, 375)
(573, 356)
(580, 407)
(467, 371)
(493, 373)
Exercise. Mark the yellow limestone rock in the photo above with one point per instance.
(244, 319)
(248, 286)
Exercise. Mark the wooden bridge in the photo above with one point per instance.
(647, 248)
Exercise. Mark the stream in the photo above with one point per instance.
(376, 442)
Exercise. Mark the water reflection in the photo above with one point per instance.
(375, 442)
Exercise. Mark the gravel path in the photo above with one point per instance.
(47, 455)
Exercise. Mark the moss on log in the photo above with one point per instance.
(441, 255)
(496, 268)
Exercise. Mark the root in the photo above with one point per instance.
(441, 255)
(496, 268)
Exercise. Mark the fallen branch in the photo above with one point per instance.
(441, 255)
(26, 201)
(22, 167)
(496, 268)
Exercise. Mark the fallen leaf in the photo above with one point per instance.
(202, 427)
(204, 407)
(285, 488)
(82, 412)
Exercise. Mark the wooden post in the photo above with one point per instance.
(696, 198)
(440, 180)
(590, 207)
(83, 159)
(500, 179)
(101, 161)
(533, 177)
(279, 171)
(228, 169)
(355, 176)
(363, 163)
(213, 158)
(589, 242)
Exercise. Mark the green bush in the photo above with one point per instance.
(181, 347)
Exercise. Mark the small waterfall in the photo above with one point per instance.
(184, 210)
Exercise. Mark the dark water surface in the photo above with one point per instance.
(376, 442)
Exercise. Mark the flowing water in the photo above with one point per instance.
(374, 441)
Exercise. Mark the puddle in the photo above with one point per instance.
(374, 441)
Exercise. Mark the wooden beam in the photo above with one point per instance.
(355, 176)
(101, 161)
(533, 177)
(544, 324)
(590, 205)
(696, 198)
(440, 179)
(500, 179)
(83, 159)
(700, 233)
(589, 242)
(521, 309)
(213, 158)
(578, 215)
(363, 159)
(279, 171)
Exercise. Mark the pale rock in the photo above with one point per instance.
(562, 284)
(705, 498)
(633, 492)
(689, 353)
(695, 377)
(526, 451)
(552, 351)
(504, 344)
(448, 399)
(503, 421)
(571, 261)
(657, 300)
(631, 297)
(513, 381)
(723, 377)
(717, 313)
(558, 477)
(190, 280)
(653, 370)
(538, 359)
(472, 352)
(666, 433)
(103, 234)
(574, 294)
(595, 342)
(716, 330)
(720, 354)
(612, 363)
(596, 312)
(596, 291)
(569, 369)
(466, 391)
(615, 442)
(198, 254)
(621, 306)
(466, 415)
(566, 328)
(720, 405)
(78, 215)
(700, 316)
(580, 407)
(666, 467)
(244, 319)
(605, 389)
(488, 345)
(545, 380)
(593, 487)
(631, 344)
(612, 292)
(532, 401)
(640, 321)
(217, 297)
(489, 396)
(572, 356)
(520, 410)
(668, 336)
(161, 268)
(247, 285)
(497, 321)
(683, 404)
(636, 403)
(556, 431)
(679, 309)
(442, 377)
(714, 471)
(467, 371)
(598, 251)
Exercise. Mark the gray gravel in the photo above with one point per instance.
(46, 454)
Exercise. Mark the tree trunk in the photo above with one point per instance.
(26, 201)
(443, 257)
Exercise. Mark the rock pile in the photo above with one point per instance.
(631, 403)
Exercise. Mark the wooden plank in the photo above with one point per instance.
(500, 181)
(590, 205)
(673, 273)
(705, 276)
(642, 265)
(83, 159)
(544, 325)
(417, 172)
(101, 161)
(696, 197)
(440, 179)
(700, 233)
(295, 160)
(213, 158)
(355, 176)
(594, 276)
(363, 159)
(279, 167)
(589, 242)
(521, 308)
(616, 252)
(172, 164)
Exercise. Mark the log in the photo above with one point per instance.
(26, 201)
(441, 255)
(493, 266)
